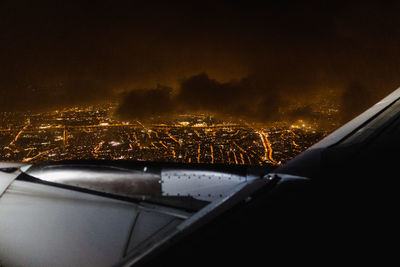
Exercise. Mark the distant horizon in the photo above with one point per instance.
(234, 58)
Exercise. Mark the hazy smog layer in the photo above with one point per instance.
(244, 59)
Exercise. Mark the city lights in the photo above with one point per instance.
(92, 133)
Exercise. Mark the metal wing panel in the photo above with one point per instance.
(47, 226)
(5, 180)
(148, 224)
(203, 185)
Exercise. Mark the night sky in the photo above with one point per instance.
(262, 62)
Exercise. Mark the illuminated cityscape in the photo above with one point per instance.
(92, 133)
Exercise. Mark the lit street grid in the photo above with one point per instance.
(91, 133)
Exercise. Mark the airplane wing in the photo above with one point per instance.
(133, 213)
(90, 214)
